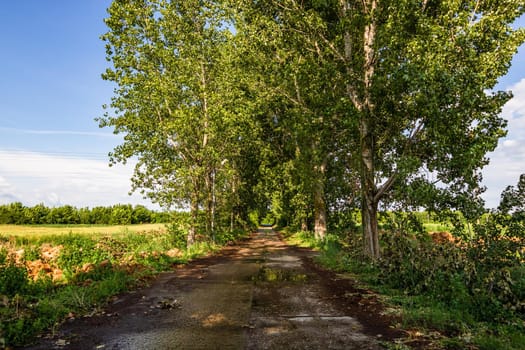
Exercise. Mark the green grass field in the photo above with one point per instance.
(41, 231)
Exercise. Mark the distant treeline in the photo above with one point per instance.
(120, 214)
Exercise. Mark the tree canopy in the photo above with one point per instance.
(308, 107)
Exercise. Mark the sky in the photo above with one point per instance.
(53, 152)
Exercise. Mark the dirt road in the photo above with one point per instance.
(259, 294)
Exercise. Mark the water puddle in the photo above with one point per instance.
(268, 274)
(286, 261)
(336, 319)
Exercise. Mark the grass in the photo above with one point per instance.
(40, 231)
(302, 239)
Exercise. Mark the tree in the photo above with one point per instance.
(170, 67)
(302, 104)
(141, 215)
(37, 215)
(415, 77)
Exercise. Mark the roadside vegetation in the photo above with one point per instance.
(46, 277)
(449, 291)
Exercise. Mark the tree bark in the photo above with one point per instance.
(210, 210)
(363, 102)
(370, 228)
(319, 203)
(194, 212)
(368, 186)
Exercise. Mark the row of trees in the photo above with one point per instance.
(121, 214)
(309, 108)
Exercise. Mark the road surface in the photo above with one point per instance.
(258, 294)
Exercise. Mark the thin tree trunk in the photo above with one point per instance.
(370, 228)
(320, 214)
(209, 203)
(319, 203)
(194, 212)
(304, 224)
(213, 203)
(234, 206)
(205, 139)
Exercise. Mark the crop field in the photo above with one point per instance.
(41, 231)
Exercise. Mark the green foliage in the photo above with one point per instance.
(417, 264)
(3, 255)
(469, 284)
(450, 275)
(178, 235)
(179, 103)
(229, 237)
(13, 279)
(332, 254)
(16, 213)
(471, 290)
(79, 250)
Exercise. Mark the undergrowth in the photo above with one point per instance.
(43, 281)
(471, 293)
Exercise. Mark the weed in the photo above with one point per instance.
(13, 279)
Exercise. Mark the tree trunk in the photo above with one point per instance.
(320, 214)
(210, 209)
(194, 212)
(304, 224)
(319, 203)
(367, 144)
(213, 203)
(370, 229)
(361, 97)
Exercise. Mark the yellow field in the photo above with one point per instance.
(38, 231)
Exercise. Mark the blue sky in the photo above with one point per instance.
(51, 149)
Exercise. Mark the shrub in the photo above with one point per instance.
(489, 288)
(79, 250)
(13, 279)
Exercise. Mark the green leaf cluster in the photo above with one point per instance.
(309, 109)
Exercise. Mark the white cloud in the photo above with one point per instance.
(515, 108)
(507, 162)
(58, 132)
(6, 190)
(34, 178)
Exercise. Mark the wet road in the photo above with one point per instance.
(259, 294)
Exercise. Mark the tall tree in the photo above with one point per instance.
(418, 79)
(302, 98)
(419, 75)
(168, 62)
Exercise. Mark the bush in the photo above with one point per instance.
(488, 288)
(79, 250)
(13, 279)
(178, 235)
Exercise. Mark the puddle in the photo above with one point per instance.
(286, 261)
(308, 318)
(267, 274)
